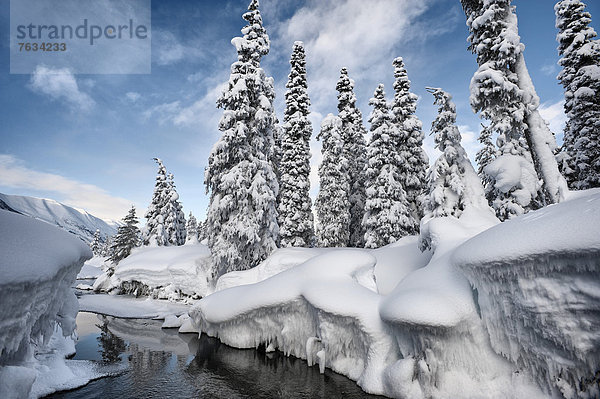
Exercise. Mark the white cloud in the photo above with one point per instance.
(549, 69)
(201, 112)
(554, 114)
(95, 200)
(360, 35)
(168, 50)
(133, 96)
(60, 84)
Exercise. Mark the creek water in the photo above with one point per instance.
(161, 363)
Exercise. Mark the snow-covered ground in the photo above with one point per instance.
(497, 310)
(165, 272)
(92, 268)
(38, 265)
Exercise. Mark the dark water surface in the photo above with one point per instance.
(162, 363)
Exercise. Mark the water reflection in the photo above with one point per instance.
(163, 363)
(112, 346)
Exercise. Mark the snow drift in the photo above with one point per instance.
(38, 265)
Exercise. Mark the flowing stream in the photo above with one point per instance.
(161, 363)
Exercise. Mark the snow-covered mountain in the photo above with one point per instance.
(73, 220)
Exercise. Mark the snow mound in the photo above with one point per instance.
(39, 264)
(281, 259)
(170, 272)
(538, 283)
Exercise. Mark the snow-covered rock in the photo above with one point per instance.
(538, 284)
(172, 272)
(76, 221)
(38, 265)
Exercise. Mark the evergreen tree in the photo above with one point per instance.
(126, 239)
(580, 77)
(202, 231)
(484, 157)
(242, 216)
(496, 94)
(173, 215)
(155, 233)
(191, 229)
(106, 251)
(332, 204)
(295, 206)
(414, 160)
(503, 91)
(354, 152)
(96, 244)
(453, 184)
(387, 214)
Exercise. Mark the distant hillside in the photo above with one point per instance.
(75, 221)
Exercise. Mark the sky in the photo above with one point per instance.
(88, 140)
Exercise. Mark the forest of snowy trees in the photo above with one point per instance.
(376, 182)
(373, 194)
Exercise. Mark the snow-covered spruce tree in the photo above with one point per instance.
(96, 244)
(173, 214)
(496, 94)
(155, 233)
(486, 154)
(414, 160)
(332, 204)
(353, 138)
(495, 39)
(453, 184)
(106, 251)
(295, 206)
(127, 238)
(242, 217)
(580, 77)
(387, 213)
(191, 229)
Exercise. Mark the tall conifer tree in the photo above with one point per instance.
(580, 77)
(333, 203)
(387, 213)
(413, 157)
(242, 217)
(295, 206)
(354, 151)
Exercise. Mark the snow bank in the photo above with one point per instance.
(39, 264)
(128, 307)
(170, 272)
(320, 310)
(399, 322)
(538, 283)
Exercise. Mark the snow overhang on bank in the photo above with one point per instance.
(38, 265)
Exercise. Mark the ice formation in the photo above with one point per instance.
(539, 292)
(497, 310)
(39, 264)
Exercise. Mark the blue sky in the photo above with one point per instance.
(88, 140)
